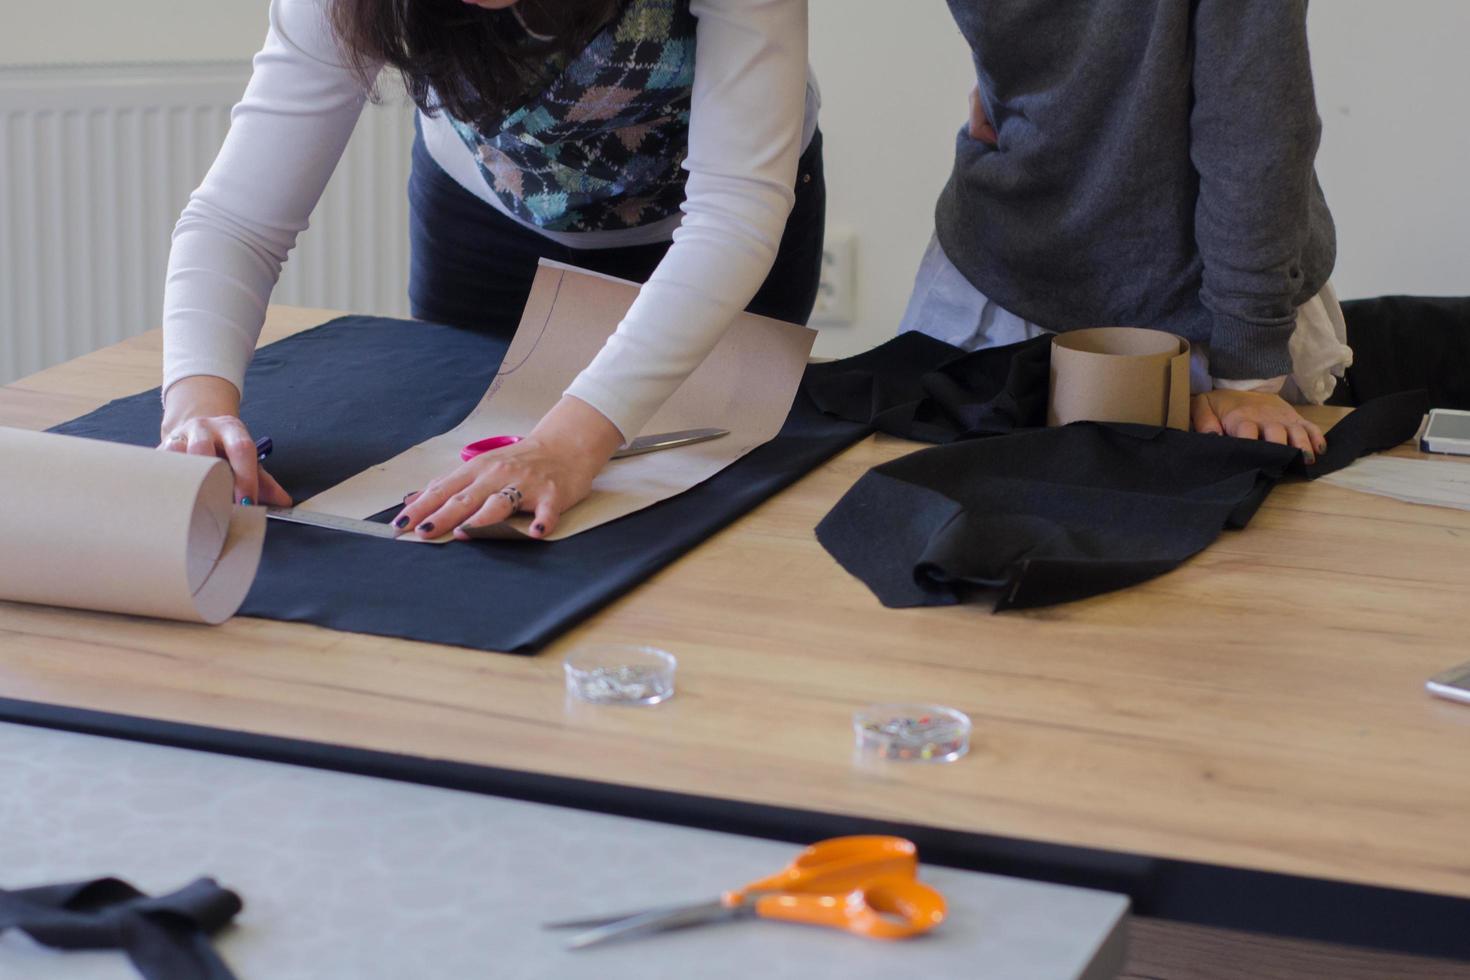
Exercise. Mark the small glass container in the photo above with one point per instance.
(620, 673)
(911, 733)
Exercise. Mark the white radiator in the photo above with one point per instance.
(95, 166)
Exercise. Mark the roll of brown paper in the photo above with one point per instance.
(98, 525)
(1119, 374)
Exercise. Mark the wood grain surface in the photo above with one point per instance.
(1261, 707)
(1160, 950)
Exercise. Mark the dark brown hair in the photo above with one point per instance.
(471, 62)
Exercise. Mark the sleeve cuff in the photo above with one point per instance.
(1240, 349)
(627, 417)
(1270, 386)
(178, 373)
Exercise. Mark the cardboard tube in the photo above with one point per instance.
(1119, 374)
(99, 525)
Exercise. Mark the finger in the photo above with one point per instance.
(431, 498)
(1298, 437)
(548, 512)
(240, 450)
(1319, 441)
(1204, 417)
(201, 442)
(1274, 432)
(410, 498)
(453, 509)
(1246, 429)
(496, 508)
(271, 492)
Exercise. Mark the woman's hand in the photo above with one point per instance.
(546, 473)
(201, 416)
(1256, 415)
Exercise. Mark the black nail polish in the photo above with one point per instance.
(401, 522)
(426, 526)
(539, 528)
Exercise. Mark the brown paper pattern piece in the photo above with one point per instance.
(100, 525)
(745, 385)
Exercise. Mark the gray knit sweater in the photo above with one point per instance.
(1154, 168)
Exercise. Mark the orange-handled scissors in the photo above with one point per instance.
(866, 885)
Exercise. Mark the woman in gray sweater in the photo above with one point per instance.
(1146, 163)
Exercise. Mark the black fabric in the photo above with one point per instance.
(359, 390)
(916, 387)
(471, 266)
(167, 937)
(1043, 515)
(1401, 343)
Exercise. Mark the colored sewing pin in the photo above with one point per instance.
(923, 732)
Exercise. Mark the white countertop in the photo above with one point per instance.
(352, 877)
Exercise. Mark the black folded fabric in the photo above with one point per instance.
(1401, 343)
(167, 937)
(1042, 515)
(359, 390)
(920, 388)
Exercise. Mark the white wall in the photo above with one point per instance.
(129, 31)
(896, 81)
(1391, 85)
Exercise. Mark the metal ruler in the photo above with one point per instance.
(331, 521)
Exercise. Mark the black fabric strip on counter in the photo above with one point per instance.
(167, 937)
(354, 392)
(1043, 515)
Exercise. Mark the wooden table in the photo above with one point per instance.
(1261, 708)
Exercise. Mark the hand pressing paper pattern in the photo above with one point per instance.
(1043, 515)
(745, 385)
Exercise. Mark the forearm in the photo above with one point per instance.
(285, 138)
(744, 143)
(579, 429)
(199, 396)
(1254, 132)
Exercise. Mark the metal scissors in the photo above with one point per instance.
(866, 885)
(639, 446)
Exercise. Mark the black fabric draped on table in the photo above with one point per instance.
(1042, 515)
(1404, 342)
(343, 396)
(167, 937)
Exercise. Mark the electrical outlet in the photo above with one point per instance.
(837, 290)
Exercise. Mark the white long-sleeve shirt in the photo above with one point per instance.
(752, 111)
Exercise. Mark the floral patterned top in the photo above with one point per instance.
(600, 147)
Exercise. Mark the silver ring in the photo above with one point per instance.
(513, 495)
(179, 439)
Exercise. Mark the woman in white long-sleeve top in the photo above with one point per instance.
(672, 141)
